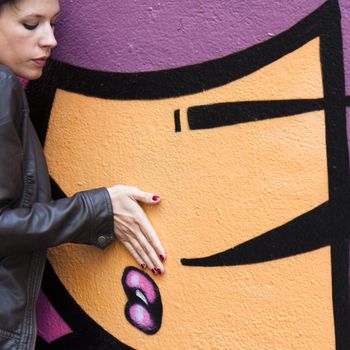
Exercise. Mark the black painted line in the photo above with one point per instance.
(334, 101)
(222, 114)
(305, 233)
(41, 95)
(331, 50)
(340, 282)
(177, 120)
(189, 79)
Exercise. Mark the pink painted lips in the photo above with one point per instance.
(144, 308)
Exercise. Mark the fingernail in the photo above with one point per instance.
(154, 271)
(162, 257)
(143, 266)
(155, 198)
(159, 271)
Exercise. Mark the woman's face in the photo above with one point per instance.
(27, 35)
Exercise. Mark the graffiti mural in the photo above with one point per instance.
(242, 130)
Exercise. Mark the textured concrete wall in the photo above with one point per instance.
(235, 113)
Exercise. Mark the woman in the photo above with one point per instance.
(29, 221)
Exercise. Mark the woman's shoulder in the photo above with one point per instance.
(5, 72)
(8, 79)
(11, 95)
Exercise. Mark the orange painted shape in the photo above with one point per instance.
(219, 187)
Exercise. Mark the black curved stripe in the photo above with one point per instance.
(222, 114)
(307, 232)
(168, 83)
(332, 65)
(189, 79)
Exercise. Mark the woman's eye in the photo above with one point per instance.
(53, 25)
(30, 26)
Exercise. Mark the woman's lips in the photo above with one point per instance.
(144, 308)
(40, 62)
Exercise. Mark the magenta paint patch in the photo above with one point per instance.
(50, 324)
(135, 279)
(144, 308)
(348, 126)
(140, 316)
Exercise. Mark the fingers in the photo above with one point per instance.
(139, 237)
(143, 253)
(145, 197)
(138, 254)
(149, 251)
(145, 224)
(134, 254)
(133, 228)
(151, 236)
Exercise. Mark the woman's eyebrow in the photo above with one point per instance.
(230, 113)
(35, 15)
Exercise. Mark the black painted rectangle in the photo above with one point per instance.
(177, 120)
(223, 114)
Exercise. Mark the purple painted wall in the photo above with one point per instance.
(345, 8)
(151, 35)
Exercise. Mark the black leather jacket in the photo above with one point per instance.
(30, 221)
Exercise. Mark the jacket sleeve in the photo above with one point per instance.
(86, 217)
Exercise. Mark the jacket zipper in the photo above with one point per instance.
(27, 191)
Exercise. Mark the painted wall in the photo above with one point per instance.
(235, 113)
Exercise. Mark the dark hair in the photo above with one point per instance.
(4, 2)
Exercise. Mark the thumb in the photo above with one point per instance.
(146, 197)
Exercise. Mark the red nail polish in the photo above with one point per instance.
(143, 266)
(162, 257)
(155, 198)
(154, 271)
(159, 271)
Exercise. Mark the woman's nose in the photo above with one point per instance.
(48, 37)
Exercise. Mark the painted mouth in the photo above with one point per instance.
(144, 308)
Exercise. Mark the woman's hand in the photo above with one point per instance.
(133, 229)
